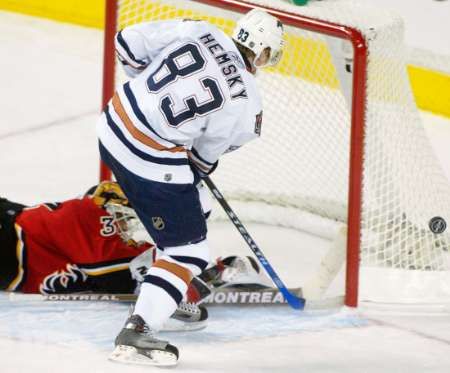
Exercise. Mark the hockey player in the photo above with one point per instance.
(192, 97)
(82, 244)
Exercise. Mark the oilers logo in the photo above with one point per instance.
(71, 280)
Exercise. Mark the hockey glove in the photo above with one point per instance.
(200, 174)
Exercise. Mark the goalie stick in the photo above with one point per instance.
(294, 301)
(221, 296)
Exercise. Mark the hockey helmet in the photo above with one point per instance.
(259, 31)
(108, 191)
(109, 196)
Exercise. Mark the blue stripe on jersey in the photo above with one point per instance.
(125, 46)
(166, 285)
(140, 153)
(139, 114)
(200, 263)
(193, 151)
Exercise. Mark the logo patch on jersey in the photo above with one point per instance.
(158, 223)
(232, 148)
(258, 123)
(167, 177)
(70, 280)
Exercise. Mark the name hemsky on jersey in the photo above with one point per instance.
(229, 71)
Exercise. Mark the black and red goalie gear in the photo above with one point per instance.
(70, 247)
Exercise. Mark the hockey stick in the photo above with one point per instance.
(228, 295)
(219, 297)
(293, 300)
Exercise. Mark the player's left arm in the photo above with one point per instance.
(205, 153)
(221, 137)
(207, 149)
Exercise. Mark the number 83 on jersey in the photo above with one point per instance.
(186, 61)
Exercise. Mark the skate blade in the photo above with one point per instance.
(130, 355)
(173, 325)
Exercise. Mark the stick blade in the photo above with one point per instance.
(295, 302)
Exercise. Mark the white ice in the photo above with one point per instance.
(50, 99)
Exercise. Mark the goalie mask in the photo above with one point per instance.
(261, 33)
(109, 196)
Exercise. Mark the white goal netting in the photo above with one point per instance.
(299, 169)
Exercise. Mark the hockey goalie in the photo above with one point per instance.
(90, 245)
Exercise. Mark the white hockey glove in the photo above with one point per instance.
(236, 271)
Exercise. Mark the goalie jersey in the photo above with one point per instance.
(72, 246)
(189, 97)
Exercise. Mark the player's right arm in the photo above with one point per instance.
(137, 45)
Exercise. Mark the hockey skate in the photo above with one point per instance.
(187, 317)
(136, 344)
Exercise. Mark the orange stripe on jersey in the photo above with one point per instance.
(179, 271)
(136, 133)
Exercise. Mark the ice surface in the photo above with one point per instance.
(50, 76)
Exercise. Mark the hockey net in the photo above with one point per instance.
(342, 142)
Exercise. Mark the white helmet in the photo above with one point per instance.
(125, 220)
(258, 30)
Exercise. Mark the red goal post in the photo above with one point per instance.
(342, 139)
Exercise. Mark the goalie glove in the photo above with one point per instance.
(235, 271)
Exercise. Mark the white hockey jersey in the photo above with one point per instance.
(190, 96)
